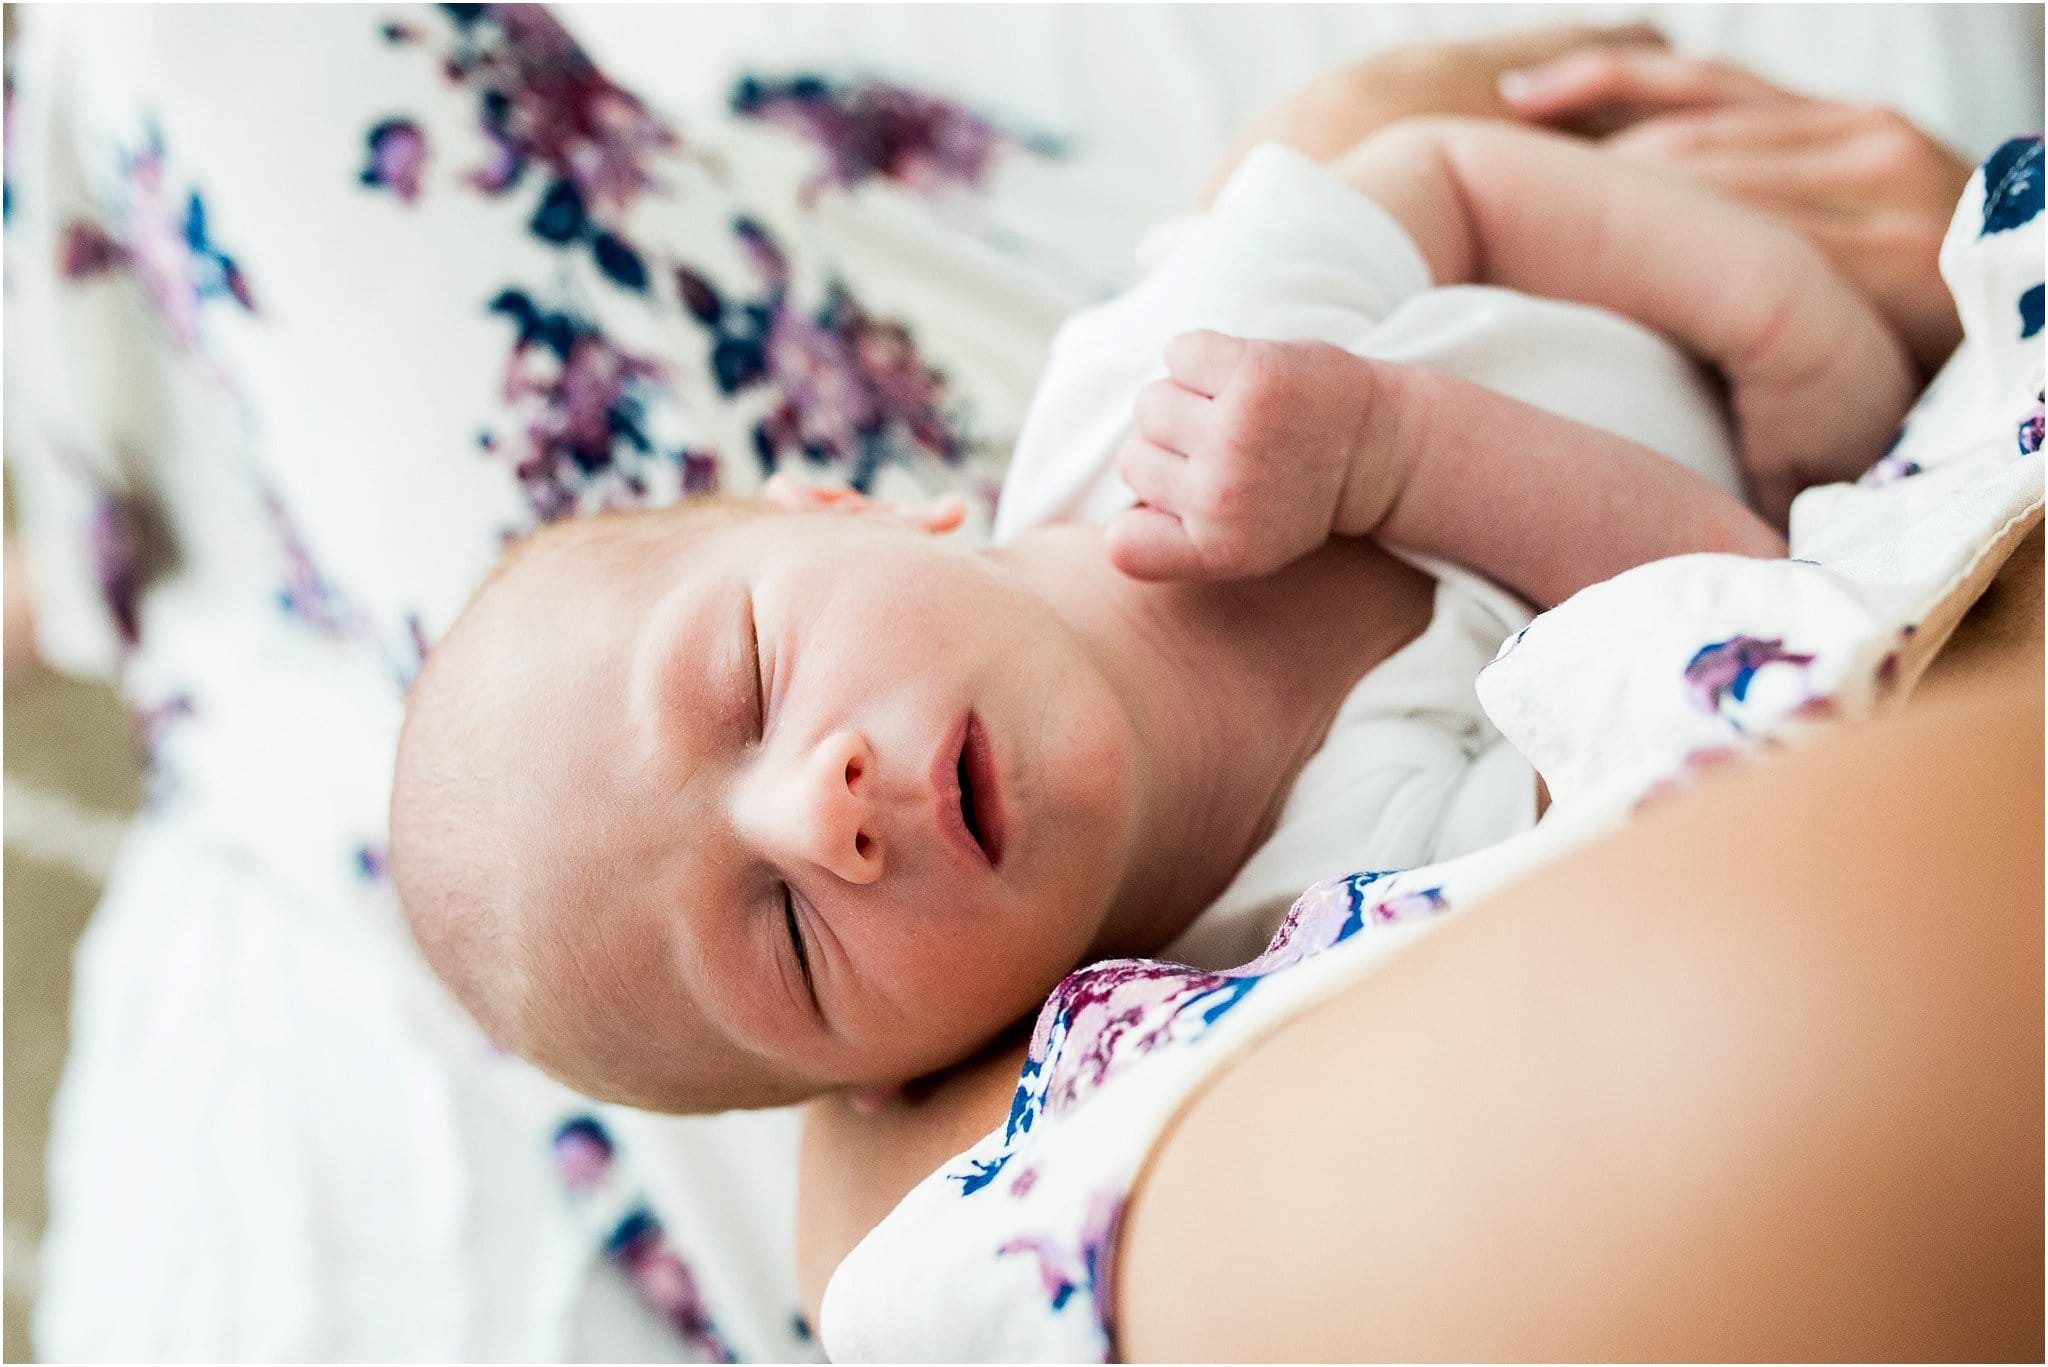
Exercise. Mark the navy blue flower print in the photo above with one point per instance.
(1890, 466)
(2030, 313)
(586, 402)
(583, 1152)
(868, 129)
(398, 158)
(118, 560)
(854, 389)
(167, 246)
(849, 389)
(305, 596)
(1088, 1266)
(7, 133)
(2012, 185)
(1720, 672)
(642, 1250)
(541, 102)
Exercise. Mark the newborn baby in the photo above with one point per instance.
(727, 804)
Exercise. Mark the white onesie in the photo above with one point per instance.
(1413, 772)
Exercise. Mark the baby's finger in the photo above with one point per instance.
(1204, 360)
(1158, 477)
(1170, 415)
(1646, 77)
(1146, 543)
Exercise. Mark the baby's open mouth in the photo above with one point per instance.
(980, 807)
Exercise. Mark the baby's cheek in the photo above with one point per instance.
(972, 983)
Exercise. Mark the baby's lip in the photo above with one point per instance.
(967, 750)
(978, 758)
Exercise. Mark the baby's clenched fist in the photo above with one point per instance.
(1242, 457)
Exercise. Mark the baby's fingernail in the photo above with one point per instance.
(1515, 85)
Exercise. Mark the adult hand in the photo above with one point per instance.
(1861, 182)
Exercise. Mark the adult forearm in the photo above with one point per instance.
(1718, 1088)
(1539, 503)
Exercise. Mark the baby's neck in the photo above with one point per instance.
(1230, 688)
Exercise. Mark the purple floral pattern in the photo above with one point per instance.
(119, 562)
(152, 725)
(542, 102)
(306, 596)
(2033, 425)
(642, 1250)
(849, 389)
(372, 863)
(852, 389)
(164, 243)
(398, 158)
(1107, 1016)
(1889, 470)
(583, 1153)
(868, 129)
(1087, 1267)
(1722, 672)
(583, 403)
(1890, 467)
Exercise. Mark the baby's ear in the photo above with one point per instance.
(941, 514)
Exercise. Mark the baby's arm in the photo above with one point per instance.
(1250, 454)
(1816, 380)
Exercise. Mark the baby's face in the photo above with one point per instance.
(813, 800)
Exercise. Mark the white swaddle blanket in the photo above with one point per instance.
(1006, 1253)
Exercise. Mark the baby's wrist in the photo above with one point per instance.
(1378, 453)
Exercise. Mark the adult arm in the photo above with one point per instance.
(1783, 1103)
(1816, 381)
(1872, 191)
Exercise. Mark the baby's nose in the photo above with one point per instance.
(827, 814)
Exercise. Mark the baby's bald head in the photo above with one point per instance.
(703, 809)
(517, 848)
